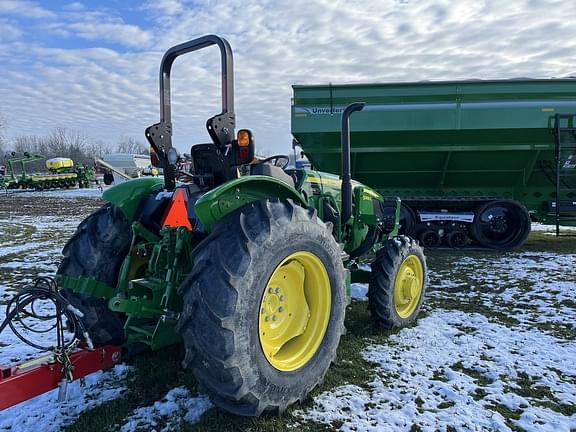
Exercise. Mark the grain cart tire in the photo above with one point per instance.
(456, 239)
(97, 250)
(263, 307)
(430, 238)
(407, 220)
(397, 283)
(501, 225)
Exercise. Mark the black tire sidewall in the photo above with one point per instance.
(265, 374)
(518, 239)
(382, 282)
(222, 299)
(97, 250)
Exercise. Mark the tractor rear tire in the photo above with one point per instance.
(397, 283)
(97, 250)
(236, 293)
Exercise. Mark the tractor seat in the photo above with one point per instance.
(272, 171)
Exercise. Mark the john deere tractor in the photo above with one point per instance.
(250, 272)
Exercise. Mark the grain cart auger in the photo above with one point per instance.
(251, 273)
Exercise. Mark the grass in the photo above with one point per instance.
(541, 242)
(508, 415)
(478, 377)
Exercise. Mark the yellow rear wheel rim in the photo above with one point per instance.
(408, 286)
(294, 311)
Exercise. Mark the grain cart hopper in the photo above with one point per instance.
(473, 161)
(252, 273)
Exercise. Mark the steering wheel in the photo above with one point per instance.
(280, 161)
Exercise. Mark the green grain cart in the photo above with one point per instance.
(473, 161)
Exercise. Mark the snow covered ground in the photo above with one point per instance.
(95, 192)
(498, 338)
(178, 404)
(30, 248)
(536, 227)
(32, 234)
(495, 348)
(44, 413)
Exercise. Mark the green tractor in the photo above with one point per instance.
(251, 273)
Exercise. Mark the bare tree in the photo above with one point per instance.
(130, 145)
(60, 142)
(98, 149)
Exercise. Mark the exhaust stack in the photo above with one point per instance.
(346, 179)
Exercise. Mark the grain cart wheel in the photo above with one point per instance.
(501, 225)
(430, 238)
(407, 220)
(397, 283)
(97, 250)
(263, 308)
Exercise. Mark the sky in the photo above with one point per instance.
(92, 66)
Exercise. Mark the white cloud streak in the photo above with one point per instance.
(125, 34)
(24, 8)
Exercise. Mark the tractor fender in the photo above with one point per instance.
(128, 195)
(230, 196)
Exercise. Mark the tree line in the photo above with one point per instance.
(61, 142)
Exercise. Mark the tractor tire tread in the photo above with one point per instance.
(222, 263)
(97, 250)
(383, 275)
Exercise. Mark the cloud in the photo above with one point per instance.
(165, 7)
(9, 30)
(75, 6)
(113, 31)
(107, 92)
(24, 8)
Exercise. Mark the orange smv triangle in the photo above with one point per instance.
(177, 214)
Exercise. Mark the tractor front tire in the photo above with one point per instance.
(263, 308)
(397, 283)
(97, 250)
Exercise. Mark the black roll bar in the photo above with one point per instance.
(159, 135)
(190, 46)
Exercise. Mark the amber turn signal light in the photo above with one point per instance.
(244, 137)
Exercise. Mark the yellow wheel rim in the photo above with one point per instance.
(408, 286)
(294, 311)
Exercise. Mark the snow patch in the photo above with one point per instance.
(44, 413)
(62, 193)
(550, 228)
(452, 369)
(167, 413)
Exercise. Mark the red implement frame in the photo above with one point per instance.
(30, 379)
